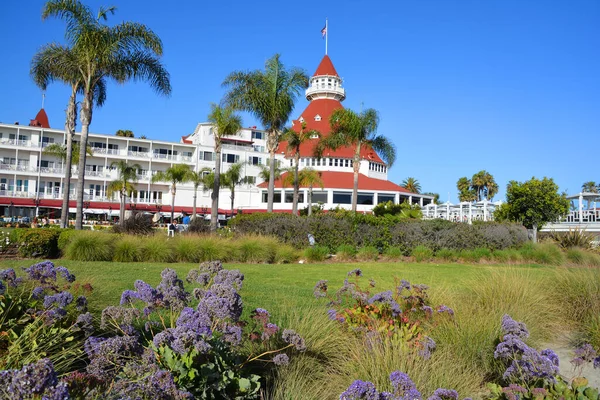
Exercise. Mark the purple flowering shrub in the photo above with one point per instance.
(400, 315)
(532, 374)
(37, 380)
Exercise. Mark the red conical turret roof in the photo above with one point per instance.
(326, 67)
(40, 120)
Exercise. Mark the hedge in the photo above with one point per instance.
(359, 230)
(37, 243)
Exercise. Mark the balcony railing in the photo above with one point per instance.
(49, 170)
(326, 88)
(20, 143)
(140, 154)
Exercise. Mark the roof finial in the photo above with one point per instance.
(43, 98)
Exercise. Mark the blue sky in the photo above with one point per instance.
(509, 86)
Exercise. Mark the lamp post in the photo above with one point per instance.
(109, 213)
(36, 201)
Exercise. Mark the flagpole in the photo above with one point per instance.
(326, 35)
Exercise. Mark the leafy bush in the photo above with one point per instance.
(157, 249)
(65, 237)
(543, 253)
(393, 253)
(573, 238)
(422, 253)
(90, 246)
(316, 253)
(127, 249)
(212, 248)
(136, 224)
(367, 253)
(199, 225)
(38, 243)
(256, 249)
(345, 252)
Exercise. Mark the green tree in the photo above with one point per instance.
(124, 133)
(269, 95)
(265, 173)
(175, 175)
(359, 130)
(231, 178)
(294, 142)
(465, 192)
(197, 179)
(484, 185)
(121, 52)
(589, 187)
(310, 178)
(52, 63)
(412, 185)
(533, 203)
(124, 184)
(225, 123)
(61, 151)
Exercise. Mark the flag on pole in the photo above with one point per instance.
(324, 31)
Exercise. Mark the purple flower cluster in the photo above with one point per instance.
(221, 302)
(10, 277)
(320, 289)
(61, 300)
(119, 317)
(37, 380)
(291, 337)
(586, 353)
(404, 285)
(387, 298)
(444, 394)
(2, 288)
(157, 384)
(512, 327)
(168, 294)
(445, 309)
(361, 390)
(228, 277)
(192, 330)
(281, 360)
(46, 273)
(355, 272)
(427, 345)
(108, 356)
(85, 322)
(514, 391)
(404, 387)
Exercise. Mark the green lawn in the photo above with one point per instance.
(273, 287)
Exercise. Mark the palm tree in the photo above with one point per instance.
(412, 185)
(56, 62)
(197, 179)
(269, 95)
(61, 151)
(589, 187)
(265, 173)
(310, 177)
(226, 123)
(122, 52)
(232, 178)
(484, 185)
(359, 130)
(175, 175)
(123, 184)
(436, 197)
(294, 141)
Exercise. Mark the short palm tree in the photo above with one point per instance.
(197, 179)
(175, 175)
(124, 184)
(412, 185)
(225, 123)
(589, 187)
(121, 52)
(265, 173)
(61, 151)
(360, 131)
(294, 142)
(484, 185)
(270, 96)
(310, 178)
(55, 62)
(465, 192)
(232, 178)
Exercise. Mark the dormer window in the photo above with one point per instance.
(317, 117)
(301, 120)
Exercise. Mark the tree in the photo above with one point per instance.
(533, 203)
(61, 151)
(412, 185)
(436, 197)
(310, 178)
(124, 133)
(232, 178)
(197, 179)
(265, 173)
(127, 176)
(57, 63)
(225, 123)
(121, 52)
(465, 192)
(484, 185)
(360, 131)
(175, 175)
(589, 187)
(294, 141)
(270, 96)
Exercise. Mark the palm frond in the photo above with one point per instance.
(385, 148)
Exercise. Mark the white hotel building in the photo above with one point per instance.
(31, 182)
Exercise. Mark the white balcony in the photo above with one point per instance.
(324, 90)
(139, 154)
(19, 143)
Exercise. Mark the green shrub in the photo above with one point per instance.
(367, 253)
(576, 256)
(127, 249)
(345, 252)
(470, 256)
(65, 237)
(136, 224)
(393, 253)
(573, 238)
(90, 246)
(316, 253)
(422, 253)
(187, 249)
(483, 253)
(592, 259)
(447, 255)
(543, 253)
(258, 249)
(286, 254)
(38, 243)
(158, 249)
(199, 225)
(212, 248)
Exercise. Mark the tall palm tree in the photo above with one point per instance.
(589, 187)
(360, 131)
(232, 178)
(484, 185)
(412, 185)
(122, 52)
(465, 192)
(225, 123)
(175, 175)
(310, 177)
(294, 142)
(197, 179)
(56, 62)
(123, 184)
(269, 95)
(265, 173)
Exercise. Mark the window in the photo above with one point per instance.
(97, 145)
(186, 154)
(116, 146)
(230, 158)
(254, 160)
(46, 164)
(205, 155)
(384, 198)
(276, 197)
(251, 180)
(317, 118)
(318, 162)
(331, 162)
(336, 162)
(301, 119)
(365, 198)
(260, 149)
(22, 185)
(258, 135)
(342, 198)
(319, 197)
(289, 196)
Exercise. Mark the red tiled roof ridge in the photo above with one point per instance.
(326, 67)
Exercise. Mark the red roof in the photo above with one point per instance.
(184, 139)
(326, 67)
(345, 180)
(41, 120)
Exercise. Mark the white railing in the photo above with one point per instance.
(325, 87)
(48, 170)
(160, 156)
(236, 147)
(19, 168)
(140, 154)
(585, 216)
(16, 193)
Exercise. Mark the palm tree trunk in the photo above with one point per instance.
(69, 132)
(173, 192)
(214, 211)
(296, 183)
(271, 188)
(122, 207)
(232, 199)
(356, 167)
(86, 119)
(194, 204)
(310, 200)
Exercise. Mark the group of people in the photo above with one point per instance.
(174, 227)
